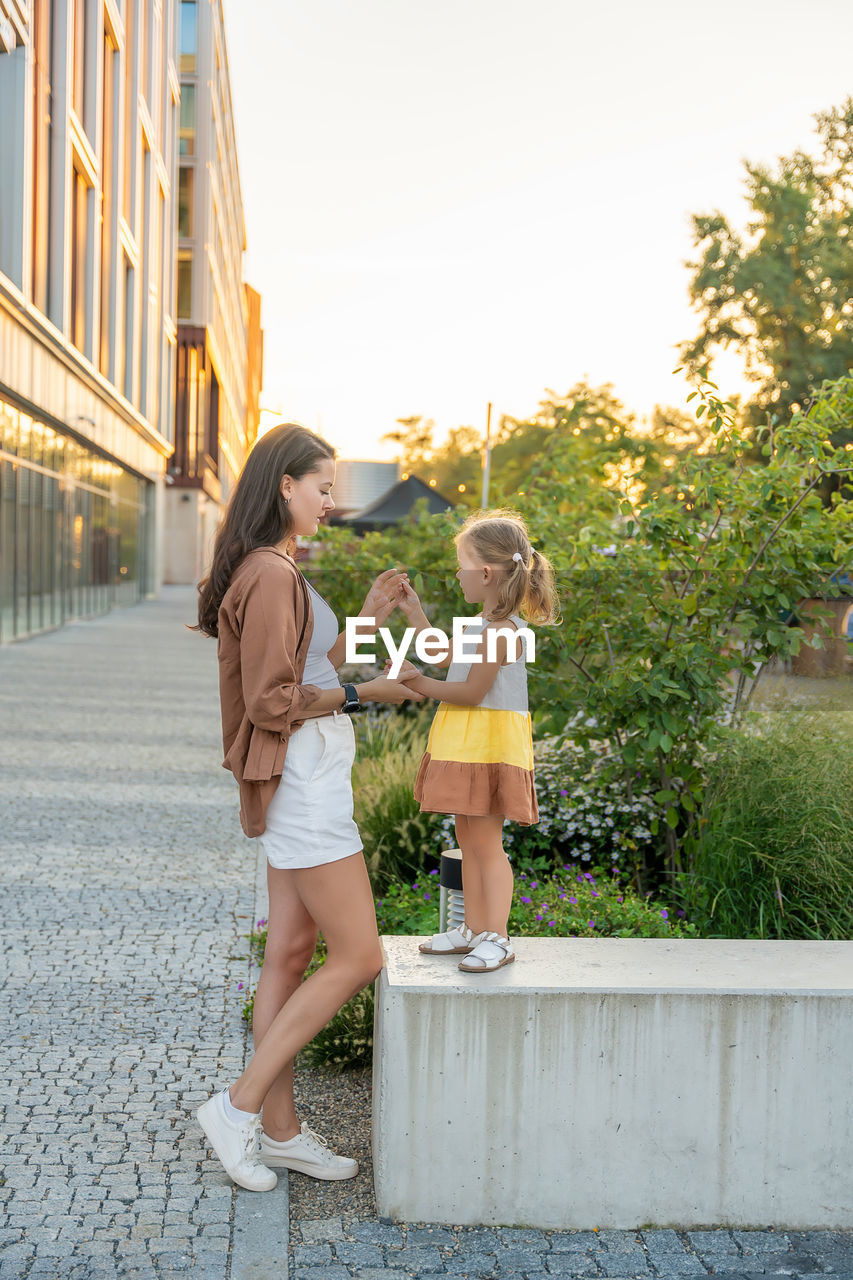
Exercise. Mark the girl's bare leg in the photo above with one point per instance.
(485, 852)
(291, 941)
(472, 880)
(339, 899)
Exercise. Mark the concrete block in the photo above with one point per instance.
(617, 1083)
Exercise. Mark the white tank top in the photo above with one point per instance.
(509, 691)
(318, 668)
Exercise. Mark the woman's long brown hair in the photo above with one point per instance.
(257, 515)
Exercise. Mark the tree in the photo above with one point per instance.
(415, 443)
(780, 294)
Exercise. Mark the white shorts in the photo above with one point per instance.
(310, 820)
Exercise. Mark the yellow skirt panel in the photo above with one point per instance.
(481, 735)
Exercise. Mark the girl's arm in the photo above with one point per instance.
(469, 692)
(411, 606)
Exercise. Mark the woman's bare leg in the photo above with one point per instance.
(291, 942)
(485, 854)
(338, 897)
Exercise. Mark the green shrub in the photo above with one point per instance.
(775, 854)
(566, 903)
(398, 838)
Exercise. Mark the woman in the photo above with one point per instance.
(289, 742)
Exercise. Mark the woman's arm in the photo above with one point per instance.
(380, 689)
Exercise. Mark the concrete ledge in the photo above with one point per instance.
(617, 1083)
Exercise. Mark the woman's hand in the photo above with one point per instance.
(384, 689)
(384, 595)
(408, 671)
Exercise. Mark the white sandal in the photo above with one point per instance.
(491, 952)
(454, 942)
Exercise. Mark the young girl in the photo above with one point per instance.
(478, 764)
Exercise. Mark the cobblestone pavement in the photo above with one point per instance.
(126, 884)
(341, 1248)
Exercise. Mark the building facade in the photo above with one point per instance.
(89, 100)
(219, 337)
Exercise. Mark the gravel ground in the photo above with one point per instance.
(338, 1107)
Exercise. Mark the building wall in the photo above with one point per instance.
(220, 342)
(88, 99)
(211, 228)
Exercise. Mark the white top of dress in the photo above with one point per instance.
(509, 691)
(318, 668)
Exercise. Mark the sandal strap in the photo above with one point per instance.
(444, 941)
(492, 946)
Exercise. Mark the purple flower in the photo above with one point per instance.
(574, 901)
(681, 914)
(562, 897)
(592, 924)
(665, 914)
(534, 884)
(564, 793)
(434, 873)
(426, 897)
(527, 901)
(595, 893)
(239, 986)
(538, 917)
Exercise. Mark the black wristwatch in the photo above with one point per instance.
(351, 699)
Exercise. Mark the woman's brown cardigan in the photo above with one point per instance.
(265, 625)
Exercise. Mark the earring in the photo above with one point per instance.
(287, 502)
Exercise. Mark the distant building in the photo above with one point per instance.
(89, 95)
(219, 340)
(396, 505)
(359, 483)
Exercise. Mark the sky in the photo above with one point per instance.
(464, 201)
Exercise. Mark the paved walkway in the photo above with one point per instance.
(126, 887)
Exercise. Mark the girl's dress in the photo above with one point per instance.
(479, 760)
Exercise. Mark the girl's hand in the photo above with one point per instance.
(384, 595)
(411, 606)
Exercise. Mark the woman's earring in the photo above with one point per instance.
(287, 502)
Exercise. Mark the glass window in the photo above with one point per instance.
(185, 201)
(189, 35)
(187, 132)
(185, 284)
(79, 236)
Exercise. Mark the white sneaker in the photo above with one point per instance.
(236, 1145)
(307, 1153)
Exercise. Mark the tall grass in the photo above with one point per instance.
(775, 854)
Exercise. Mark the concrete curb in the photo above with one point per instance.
(261, 1231)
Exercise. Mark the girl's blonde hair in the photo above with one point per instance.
(497, 537)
